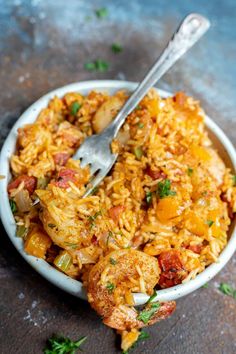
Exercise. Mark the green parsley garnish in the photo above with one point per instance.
(152, 296)
(140, 125)
(234, 180)
(75, 107)
(146, 315)
(205, 286)
(210, 223)
(92, 218)
(142, 336)
(113, 261)
(149, 197)
(138, 152)
(101, 13)
(110, 287)
(164, 189)
(227, 290)
(71, 245)
(116, 48)
(63, 345)
(137, 108)
(13, 206)
(97, 65)
(110, 234)
(190, 171)
(51, 226)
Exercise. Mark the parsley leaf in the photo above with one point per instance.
(113, 261)
(13, 206)
(146, 315)
(234, 180)
(74, 108)
(51, 226)
(142, 336)
(190, 171)
(149, 197)
(101, 13)
(92, 218)
(63, 345)
(110, 287)
(71, 245)
(116, 48)
(164, 189)
(140, 125)
(205, 286)
(210, 223)
(97, 65)
(227, 290)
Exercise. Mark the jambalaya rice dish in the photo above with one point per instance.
(157, 220)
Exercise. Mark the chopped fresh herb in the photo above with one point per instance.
(137, 108)
(205, 286)
(146, 315)
(138, 152)
(164, 189)
(94, 190)
(152, 297)
(63, 345)
(210, 223)
(140, 125)
(71, 245)
(110, 287)
(101, 13)
(204, 193)
(113, 261)
(110, 234)
(13, 206)
(75, 107)
(116, 48)
(190, 171)
(21, 231)
(234, 180)
(149, 197)
(97, 65)
(92, 218)
(227, 290)
(142, 336)
(51, 226)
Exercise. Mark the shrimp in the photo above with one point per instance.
(112, 281)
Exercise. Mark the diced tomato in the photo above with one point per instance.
(195, 248)
(172, 269)
(64, 176)
(115, 212)
(30, 183)
(61, 158)
(155, 174)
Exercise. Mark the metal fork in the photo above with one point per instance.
(96, 150)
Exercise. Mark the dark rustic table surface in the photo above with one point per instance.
(44, 44)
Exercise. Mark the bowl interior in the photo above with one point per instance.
(74, 287)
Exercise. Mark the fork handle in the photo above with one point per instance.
(188, 33)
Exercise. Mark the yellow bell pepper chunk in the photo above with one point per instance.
(37, 242)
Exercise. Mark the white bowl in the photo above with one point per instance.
(74, 287)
